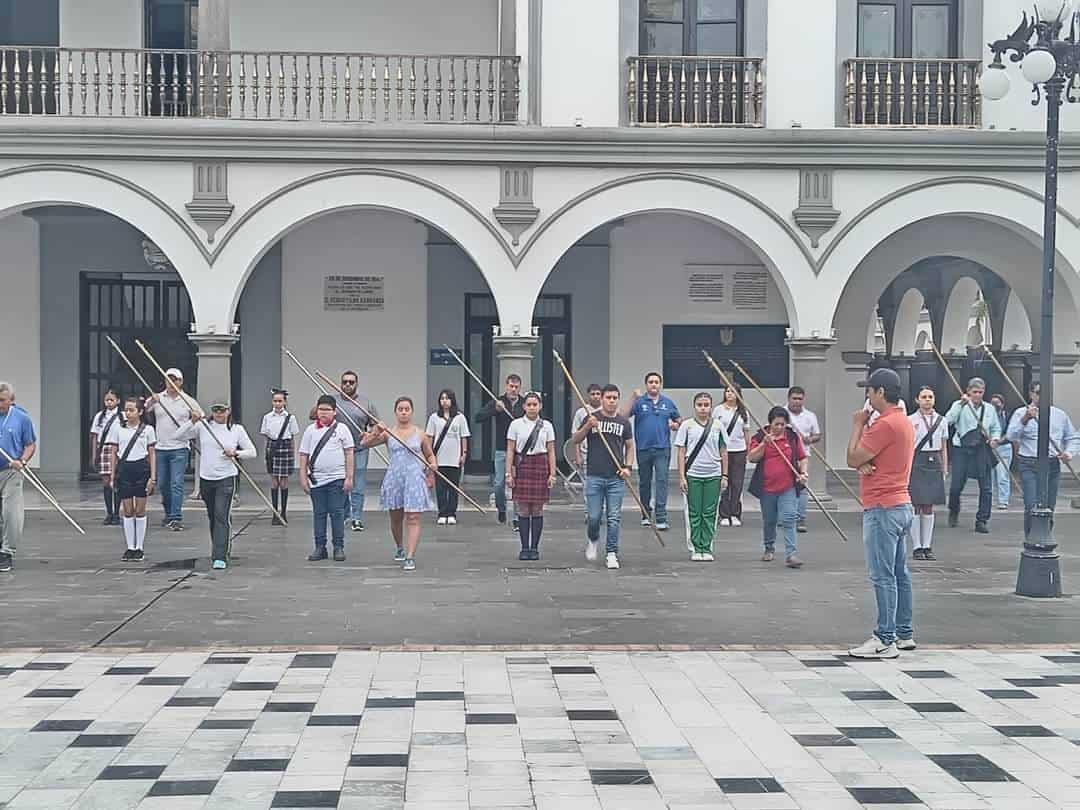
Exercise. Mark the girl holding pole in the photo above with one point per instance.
(530, 472)
(133, 465)
(702, 459)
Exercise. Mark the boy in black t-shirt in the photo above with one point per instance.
(605, 480)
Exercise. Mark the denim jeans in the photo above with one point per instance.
(779, 510)
(884, 531)
(1029, 480)
(653, 466)
(601, 493)
(329, 500)
(499, 483)
(965, 464)
(171, 466)
(354, 506)
(1002, 480)
(803, 506)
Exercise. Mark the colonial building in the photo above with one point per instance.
(624, 181)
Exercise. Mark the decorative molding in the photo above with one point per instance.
(210, 206)
(515, 211)
(815, 215)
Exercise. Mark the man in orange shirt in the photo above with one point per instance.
(883, 453)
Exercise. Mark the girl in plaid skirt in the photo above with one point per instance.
(102, 423)
(279, 427)
(530, 472)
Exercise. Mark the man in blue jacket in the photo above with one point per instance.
(655, 416)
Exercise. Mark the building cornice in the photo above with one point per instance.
(258, 141)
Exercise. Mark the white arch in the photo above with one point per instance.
(762, 230)
(906, 325)
(34, 186)
(956, 332)
(287, 209)
(1016, 330)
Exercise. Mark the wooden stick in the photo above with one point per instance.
(619, 463)
(141, 379)
(769, 438)
(404, 444)
(1016, 390)
(33, 479)
(195, 407)
(471, 373)
(982, 430)
(813, 449)
(326, 391)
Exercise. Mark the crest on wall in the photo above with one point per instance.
(727, 336)
(155, 258)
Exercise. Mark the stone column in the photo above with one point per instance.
(901, 364)
(214, 37)
(515, 356)
(809, 370)
(214, 373)
(1015, 365)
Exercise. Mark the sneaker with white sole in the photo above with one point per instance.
(906, 644)
(451, 521)
(646, 521)
(736, 522)
(440, 522)
(706, 556)
(410, 565)
(725, 522)
(612, 560)
(695, 557)
(399, 554)
(592, 550)
(874, 647)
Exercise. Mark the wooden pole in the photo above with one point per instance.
(1016, 390)
(195, 407)
(813, 449)
(768, 438)
(471, 373)
(326, 391)
(619, 463)
(982, 430)
(422, 460)
(33, 479)
(140, 378)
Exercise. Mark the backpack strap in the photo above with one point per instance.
(442, 435)
(330, 431)
(690, 459)
(131, 444)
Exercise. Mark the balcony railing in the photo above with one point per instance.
(912, 93)
(695, 91)
(262, 85)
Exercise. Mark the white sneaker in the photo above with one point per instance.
(695, 557)
(707, 556)
(873, 647)
(612, 560)
(907, 644)
(592, 550)
(725, 521)
(736, 522)
(451, 521)
(441, 521)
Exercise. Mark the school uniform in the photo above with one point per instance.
(703, 479)
(446, 438)
(531, 471)
(734, 426)
(100, 426)
(280, 430)
(133, 446)
(927, 482)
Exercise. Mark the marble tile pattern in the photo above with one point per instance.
(942, 729)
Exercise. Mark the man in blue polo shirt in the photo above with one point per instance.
(19, 443)
(655, 416)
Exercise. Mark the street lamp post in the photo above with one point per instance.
(1051, 63)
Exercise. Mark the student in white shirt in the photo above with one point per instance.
(927, 482)
(736, 426)
(279, 427)
(173, 451)
(218, 473)
(530, 472)
(133, 462)
(806, 423)
(327, 472)
(449, 433)
(702, 458)
(100, 426)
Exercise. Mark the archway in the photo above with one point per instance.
(965, 320)
(909, 322)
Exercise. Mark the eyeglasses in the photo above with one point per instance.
(348, 382)
(218, 409)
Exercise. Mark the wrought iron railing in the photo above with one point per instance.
(272, 85)
(695, 91)
(912, 93)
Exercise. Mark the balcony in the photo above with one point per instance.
(940, 93)
(695, 91)
(259, 85)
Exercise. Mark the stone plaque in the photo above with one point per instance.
(354, 294)
(760, 348)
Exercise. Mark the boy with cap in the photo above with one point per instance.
(173, 450)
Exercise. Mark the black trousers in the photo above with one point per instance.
(445, 495)
(965, 465)
(218, 496)
(731, 498)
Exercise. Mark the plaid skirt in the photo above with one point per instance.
(280, 458)
(531, 479)
(104, 462)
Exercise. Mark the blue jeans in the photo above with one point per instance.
(803, 505)
(601, 493)
(171, 466)
(329, 500)
(1029, 480)
(779, 510)
(653, 464)
(884, 531)
(354, 506)
(1002, 480)
(499, 483)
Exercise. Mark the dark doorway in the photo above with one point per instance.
(172, 35)
(29, 36)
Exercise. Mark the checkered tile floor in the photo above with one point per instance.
(956, 729)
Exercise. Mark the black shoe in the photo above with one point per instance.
(954, 519)
(981, 528)
(165, 522)
(318, 554)
(919, 554)
(356, 525)
(108, 521)
(116, 520)
(524, 555)
(502, 517)
(129, 555)
(275, 522)
(339, 555)
(138, 555)
(5, 561)
(928, 554)
(515, 524)
(534, 554)
(176, 526)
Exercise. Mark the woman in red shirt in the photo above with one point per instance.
(775, 484)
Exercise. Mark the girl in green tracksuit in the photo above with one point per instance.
(702, 455)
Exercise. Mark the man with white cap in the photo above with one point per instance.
(173, 451)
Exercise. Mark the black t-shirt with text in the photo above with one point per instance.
(618, 431)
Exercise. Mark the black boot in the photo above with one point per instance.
(274, 501)
(534, 543)
(110, 510)
(284, 504)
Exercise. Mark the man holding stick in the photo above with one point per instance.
(19, 442)
(805, 421)
(173, 452)
(978, 431)
(655, 416)
(505, 409)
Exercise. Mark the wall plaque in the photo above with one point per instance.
(354, 294)
(760, 348)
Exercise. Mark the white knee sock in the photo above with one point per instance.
(927, 522)
(916, 532)
(140, 532)
(129, 532)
